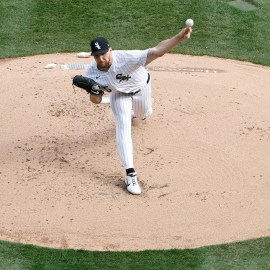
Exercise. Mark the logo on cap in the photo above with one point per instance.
(97, 46)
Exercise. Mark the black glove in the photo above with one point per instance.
(89, 85)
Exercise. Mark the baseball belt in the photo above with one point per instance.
(136, 92)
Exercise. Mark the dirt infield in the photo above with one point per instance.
(202, 157)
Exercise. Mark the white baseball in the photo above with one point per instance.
(189, 22)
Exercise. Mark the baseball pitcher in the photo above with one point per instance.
(123, 73)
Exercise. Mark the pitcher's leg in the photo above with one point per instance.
(121, 106)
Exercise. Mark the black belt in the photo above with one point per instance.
(148, 79)
(136, 92)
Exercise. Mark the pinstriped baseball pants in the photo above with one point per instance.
(124, 107)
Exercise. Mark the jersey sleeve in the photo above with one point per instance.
(142, 56)
(136, 58)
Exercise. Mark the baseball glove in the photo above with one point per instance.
(89, 85)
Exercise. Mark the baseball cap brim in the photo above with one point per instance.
(99, 52)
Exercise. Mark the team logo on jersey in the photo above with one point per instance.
(97, 46)
(122, 77)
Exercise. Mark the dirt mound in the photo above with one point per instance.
(202, 157)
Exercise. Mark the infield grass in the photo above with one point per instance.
(30, 27)
(247, 255)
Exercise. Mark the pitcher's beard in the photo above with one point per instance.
(104, 66)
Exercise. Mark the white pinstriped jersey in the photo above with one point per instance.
(127, 73)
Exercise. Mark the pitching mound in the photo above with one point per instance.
(202, 157)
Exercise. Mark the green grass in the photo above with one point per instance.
(247, 255)
(30, 27)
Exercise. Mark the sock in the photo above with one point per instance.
(130, 170)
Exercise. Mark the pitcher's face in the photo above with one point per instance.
(104, 61)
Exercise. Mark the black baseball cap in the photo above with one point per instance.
(99, 45)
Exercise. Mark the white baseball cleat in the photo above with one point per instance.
(132, 184)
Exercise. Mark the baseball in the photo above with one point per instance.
(189, 22)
